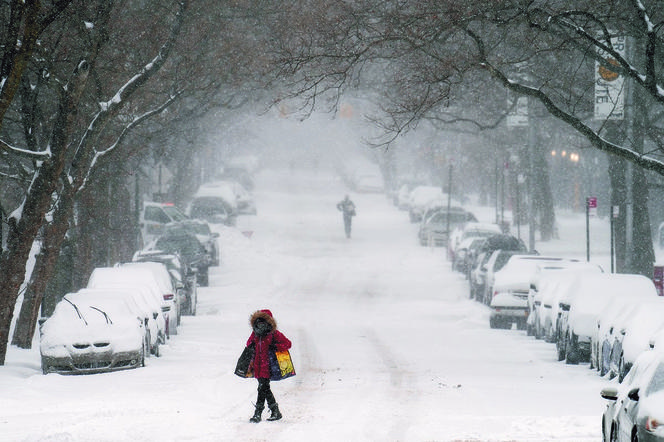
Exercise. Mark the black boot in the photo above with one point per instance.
(256, 418)
(276, 414)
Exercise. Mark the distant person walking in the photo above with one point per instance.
(347, 207)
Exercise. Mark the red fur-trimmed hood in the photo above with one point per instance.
(266, 315)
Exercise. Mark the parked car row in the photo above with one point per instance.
(127, 311)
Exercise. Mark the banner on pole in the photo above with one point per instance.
(609, 85)
(518, 114)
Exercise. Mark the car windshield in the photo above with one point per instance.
(501, 260)
(174, 213)
(454, 217)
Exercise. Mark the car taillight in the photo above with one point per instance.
(169, 297)
(652, 424)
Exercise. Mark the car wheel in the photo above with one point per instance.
(203, 278)
(155, 350)
(571, 354)
(560, 350)
(621, 369)
(494, 323)
(614, 433)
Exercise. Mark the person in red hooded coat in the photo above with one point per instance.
(264, 336)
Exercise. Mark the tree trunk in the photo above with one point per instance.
(544, 196)
(44, 271)
(642, 255)
(23, 231)
(617, 168)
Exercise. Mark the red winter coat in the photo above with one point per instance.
(261, 363)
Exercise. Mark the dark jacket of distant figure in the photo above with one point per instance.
(272, 337)
(347, 207)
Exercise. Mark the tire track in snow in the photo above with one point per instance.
(401, 384)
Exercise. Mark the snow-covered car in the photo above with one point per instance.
(470, 230)
(205, 236)
(464, 254)
(635, 409)
(581, 306)
(633, 337)
(535, 325)
(422, 197)
(88, 334)
(157, 273)
(232, 192)
(188, 247)
(510, 288)
(154, 218)
(554, 287)
(435, 227)
(146, 293)
(183, 276)
(496, 262)
(610, 321)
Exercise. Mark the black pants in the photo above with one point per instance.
(347, 221)
(264, 394)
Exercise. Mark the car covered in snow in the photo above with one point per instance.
(187, 245)
(183, 276)
(546, 278)
(92, 334)
(510, 288)
(146, 293)
(239, 199)
(635, 408)
(634, 335)
(465, 253)
(154, 218)
(420, 198)
(471, 229)
(580, 309)
(156, 273)
(437, 225)
(611, 322)
(205, 236)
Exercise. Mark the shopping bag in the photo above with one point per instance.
(281, 365)
(245, 363)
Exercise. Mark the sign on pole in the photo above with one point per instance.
(609, 85)
(518, 114)
(592, 206)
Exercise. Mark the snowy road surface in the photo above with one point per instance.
(386, 344)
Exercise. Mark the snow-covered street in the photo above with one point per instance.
(386, 345)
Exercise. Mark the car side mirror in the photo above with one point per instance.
(155, 315)
(609, 393)
(634, 394)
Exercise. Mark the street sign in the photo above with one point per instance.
(592, 205)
